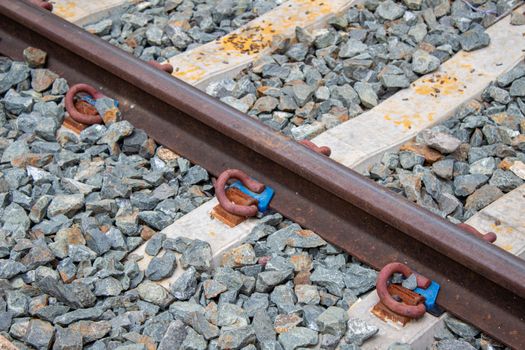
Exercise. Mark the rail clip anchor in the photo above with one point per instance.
(263, 199)
(401, 294)
(244, 198)
(430, 294)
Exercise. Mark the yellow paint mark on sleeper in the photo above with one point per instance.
(190, 73)
(257, 37)
(406, 121)
(65, 10)
(439, 84)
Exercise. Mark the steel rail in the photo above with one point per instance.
(481, 283)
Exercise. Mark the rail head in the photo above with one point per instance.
(370, 222)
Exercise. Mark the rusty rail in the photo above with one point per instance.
(481, 283)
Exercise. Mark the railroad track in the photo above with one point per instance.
(364, 219)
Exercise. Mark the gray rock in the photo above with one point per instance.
(174, 336)
(183, 310)
(464, 185)
(236, 103)
(198, 322)
(91, 330)
(239, 256)
(100, 28)
(333, 321)
(154, 293)
(67, 339)
(302, 93)
(409, 159)
(423, 62)
(440, 141)
(236, 338)
(518, 88)
(263, 327)
(366, 93)
(36, 123)
(474, 39)
(284, 298)
(307, 294)
(92, 133)
(390, 10)
(10, 268)
(59, 87)
(18, 73)
(15, 150)
(195, 175)
(394, 81)
(484, 166)
(297, 52)
(193, 341)
(410, 282)
(115, 133)
(505, 180)
(494, 93)
(213, 288)
(482, 197)
(15, 220)
(444, 168)
(359, 331)
(359, 279)
(351, 48)
(65, 204)
(79, 253)
(298, 337)
(508, 77)
(108, 286)
(265, 104)
(161, 267)
(42, 79)
(198, 254)
(346, 94)
(15, 103)
(76, 295)
(80, 314)
(266, 280)
(97, 241)
(460, 328)
(186, 285)
(39, 334)
(17, 303)
(332, 280)
(38, 255)
(255, 303)
(155, 244)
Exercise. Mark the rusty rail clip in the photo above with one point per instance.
(325, 150)
(386, 272)
(72, 110)
(166, 67)
(488, 237)
(252, 185)
(43, 4)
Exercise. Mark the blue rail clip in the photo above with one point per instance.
(92, 102)
(263, 199)
(430, 295)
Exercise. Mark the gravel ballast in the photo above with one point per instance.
(160, 29)
(325, 77)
